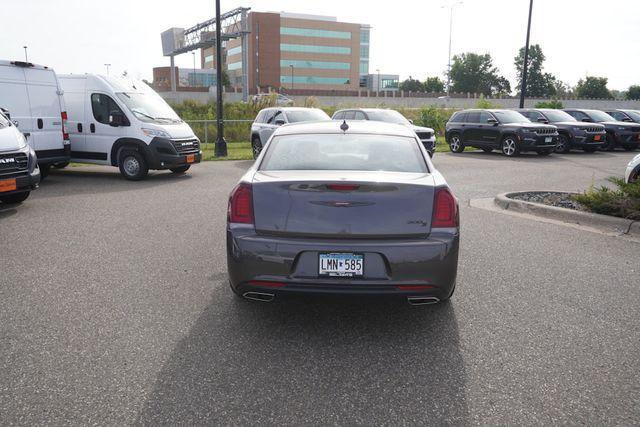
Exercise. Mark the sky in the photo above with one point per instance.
(409, 38)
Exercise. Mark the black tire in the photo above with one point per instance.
(256, 147)
(133, 166)
(455, 144)
(61, 165)
(610, 143)
(487, 149)
(590, 149)
(509, 146)
(544, 152)
(629, 147)
(180, 169)
(44, 171)
(564, 146)
(15, 198)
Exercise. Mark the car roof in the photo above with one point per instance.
(355, 126)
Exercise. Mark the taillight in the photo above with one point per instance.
(445, 210)
(241, 204)
(65, 135)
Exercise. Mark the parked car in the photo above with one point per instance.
(33, 95)
(19, 171)
(632, 174)
(426, 135)
(122, 122)
(504, 130)
(625, 115)
(619, 134)
(269, 119)
(331, 209)
(572, 133)
(281, 100)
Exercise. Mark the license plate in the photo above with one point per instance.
(596, 138)
(341, 265)
(548, 139)
(8, 185)
(191, 158)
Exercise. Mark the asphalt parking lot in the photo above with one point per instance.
(115, 309)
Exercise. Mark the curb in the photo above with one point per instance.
(609, 224)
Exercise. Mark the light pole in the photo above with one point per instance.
(450, 33)
(194, 68)
(221, 144)
(378, 72)
(526, 58)
(291, 65)
(107, 65)
(26, 59)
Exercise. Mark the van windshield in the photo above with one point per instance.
(149, 107)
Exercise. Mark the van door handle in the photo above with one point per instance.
(40, 124)
(92, 128)
(80, 127)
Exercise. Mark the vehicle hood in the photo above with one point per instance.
(175, 131)
(421, 129)
(581, 125)
(11, 139)
(531, 125)
(621, 124)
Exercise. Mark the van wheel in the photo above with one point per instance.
(15, 198)
(181, 169)
(132, 165)
(256, 147)
(510, 146)
(455, 145)
(61, 165)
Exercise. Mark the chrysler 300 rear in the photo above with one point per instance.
(353, 210)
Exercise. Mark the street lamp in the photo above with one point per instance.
(221, 143)
(378, 71)
(526, 58)
(450, 32)
(291, 65)
(194, 68)
(107, 65)
(25, 54)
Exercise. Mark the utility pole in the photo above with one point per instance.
(221, 144)
(450, 34)
(194, 68)
(26, 59)
(526, 59)
(378, 72)
(107, 65)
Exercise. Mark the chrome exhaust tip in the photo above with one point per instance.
(422, 300)
(258, 296)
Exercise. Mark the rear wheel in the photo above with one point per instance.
(15, 198)
(563, 146)
(181, 169)
(510, 147)
(455, 145)
(61, 165)
(487, 149)
(256, 147)
(133, 165)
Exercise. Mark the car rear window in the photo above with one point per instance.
(354, 152)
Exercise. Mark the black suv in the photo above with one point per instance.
(506, 130)
(619, 134)
(625, 115)
(573, 134)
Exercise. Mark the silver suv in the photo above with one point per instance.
(269, 119)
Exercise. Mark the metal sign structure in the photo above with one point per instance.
(233, 24)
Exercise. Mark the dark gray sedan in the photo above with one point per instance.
(353, 208)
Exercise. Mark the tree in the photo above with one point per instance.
(633, 92)
(471, 72)
(411, 85)
(539, 84)
(593, 88)
(433, 85)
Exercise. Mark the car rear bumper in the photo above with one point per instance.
(281, 266)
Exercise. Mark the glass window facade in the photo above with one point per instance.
(364, 51)
(234, 66)
(202, 79)
(389, 83)
(320, 65)
(315, 80)
(234, 50)
(309, 32)
(364, 67)
(208, 58)
(364, 36)
(315, 49)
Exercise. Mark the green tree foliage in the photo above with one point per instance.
(433, 85)
(411, 85)
(539, 83)
(554, 103)
(435, 118)
(474, 73)
(593, 88)
(486, 104)
(633, 92)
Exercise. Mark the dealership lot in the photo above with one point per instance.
(115, 309)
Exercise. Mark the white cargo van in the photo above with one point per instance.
(122, 122)
(32, 95)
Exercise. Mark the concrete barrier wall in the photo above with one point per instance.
(406, 102)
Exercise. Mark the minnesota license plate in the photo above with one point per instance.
(8, 185)
(191, 158)
(341, 264)
(548, 139)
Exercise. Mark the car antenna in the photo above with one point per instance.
(344, 126)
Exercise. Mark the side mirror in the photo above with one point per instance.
(279, 122)
(586, 119)
(6, 113)
(492, 122)
(543, 120)
(116, 118)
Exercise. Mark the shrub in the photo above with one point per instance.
(484, 104)
(623, 201)
(554, 103)
(435, 118)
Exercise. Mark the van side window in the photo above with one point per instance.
(102, 106)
